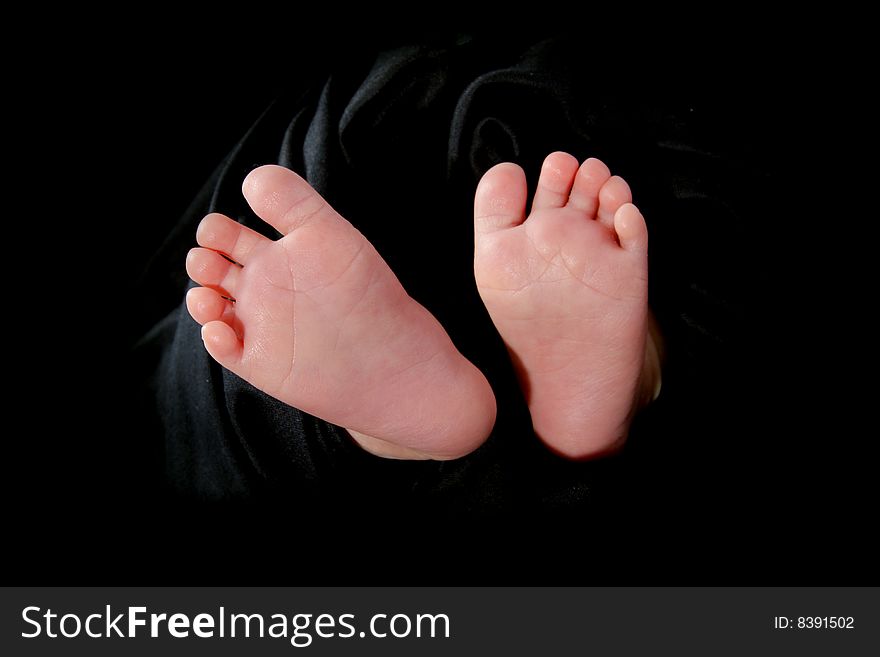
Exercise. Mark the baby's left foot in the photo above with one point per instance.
(567, 289)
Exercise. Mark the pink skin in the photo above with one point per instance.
(321, 323)
(567, 289)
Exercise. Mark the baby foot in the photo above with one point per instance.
(317, 320)
(567, 289)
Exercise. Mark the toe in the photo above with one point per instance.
(223, 344)
(614, 193)
(554, 184)
(206, 305)
(590, 178)
(220, 233)
(500, 200)
(211, 269)
(283, 199)
(629, 224)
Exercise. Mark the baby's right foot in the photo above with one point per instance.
(317, 320)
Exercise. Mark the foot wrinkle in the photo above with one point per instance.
(597, 290)
(336, 279)
(494, 215)
(299, 220)
(418, 363)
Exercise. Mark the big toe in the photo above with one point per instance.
(283, 199)
(500, 200)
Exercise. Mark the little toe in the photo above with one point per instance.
(614, 193)
(206, 305)
(220, 233)
(500, 199)
(554, 184)
(632, 232)
(211, 269)
(590, 178)
(223, 344)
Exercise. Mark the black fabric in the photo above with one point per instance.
(396, 142)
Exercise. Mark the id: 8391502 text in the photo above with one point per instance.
(813, 623)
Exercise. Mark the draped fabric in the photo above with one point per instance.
(397, 144)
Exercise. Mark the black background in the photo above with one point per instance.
(126, 132)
